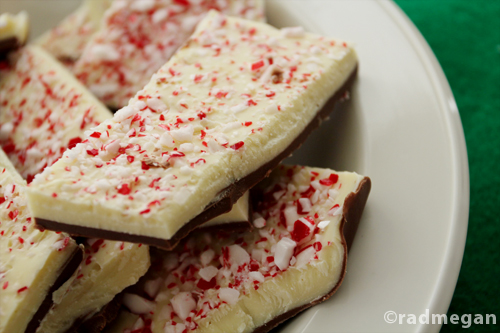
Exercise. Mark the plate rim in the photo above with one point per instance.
(459, 212)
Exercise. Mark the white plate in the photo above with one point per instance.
(402, 128)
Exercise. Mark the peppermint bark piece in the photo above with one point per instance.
(138, 36)
(44, 110)
(33, 263)
(251, 282)
(107, 269)
(68, 39)
(13, 31)
(238, 98)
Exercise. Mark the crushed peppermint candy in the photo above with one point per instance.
(44, 111)
(208, 271)
(153, 160)
(138, 36)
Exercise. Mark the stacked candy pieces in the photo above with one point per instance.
(294, 258)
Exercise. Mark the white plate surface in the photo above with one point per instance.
(401, 128)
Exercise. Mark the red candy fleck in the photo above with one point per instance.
(96, 245)
(271, 94)
(93, 152)
(130, 159)
(330, 180)
(124, 189)
(65, 243)
(96, 135)
(300, 231)
(13, 214)
(308, 193)
(221, 94)
(73, 142)
(145, 211)
(5, 285)
(20, 290)
(254, 266)
(238, 145)
(257, 65)
(204, 285)
(317, 246)
(144, 166)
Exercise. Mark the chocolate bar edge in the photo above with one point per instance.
(69, 268)
(97, 322)
(353, 209)
(7, 45)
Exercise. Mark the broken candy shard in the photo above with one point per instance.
(210, 124)
(237, 282)
(33, 263)
(13, 31)
(45, 110)
(138, 36)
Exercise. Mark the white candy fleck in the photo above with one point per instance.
(207, 273)
(138, 305)
(323, 224)
(229, 295)
(284, 252)
(293, 32)
(183, 303)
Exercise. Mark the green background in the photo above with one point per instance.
(465, 37)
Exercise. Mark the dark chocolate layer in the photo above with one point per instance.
(98, 322)
(66, 271)
(7, 45)
(353, 209)
(231, 194)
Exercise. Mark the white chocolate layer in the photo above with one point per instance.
(68, 39)
(138, 36)
(209, 117)
(108, 268)
(30, 260)
(247, 286)
(239, 213)
(44, 110)
(14, 26)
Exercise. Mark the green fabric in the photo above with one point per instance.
(465, 36)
